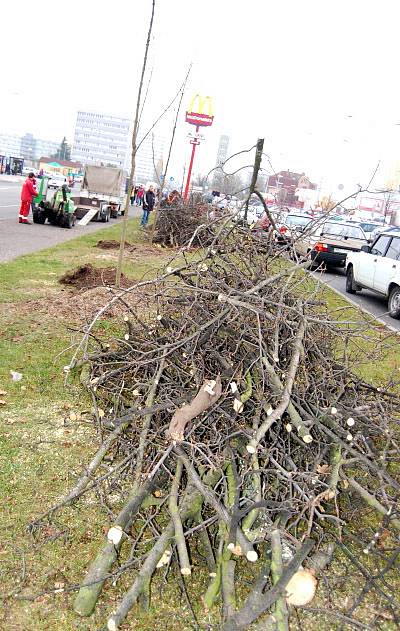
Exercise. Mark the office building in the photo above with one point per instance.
(222, 152)
(218, 177)
(149, 158)
(101, 139)
(10, 145)
(27, 146)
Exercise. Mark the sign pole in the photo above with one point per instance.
(196, 115)
(193, 142)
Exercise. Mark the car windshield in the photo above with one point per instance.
(297, 220)
(343, 230)
(368, 227)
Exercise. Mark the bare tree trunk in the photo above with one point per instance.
(256, 168)
(164, 178)
(133, 160)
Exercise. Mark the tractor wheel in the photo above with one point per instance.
(39, 216)
(69, 220)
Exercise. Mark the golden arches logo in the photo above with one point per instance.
(201, 105)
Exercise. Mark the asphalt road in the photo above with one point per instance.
(367, 300)
(17, 239)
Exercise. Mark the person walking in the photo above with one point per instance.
(149, 200)
(139, 196)
(29, 191)
(134, 195)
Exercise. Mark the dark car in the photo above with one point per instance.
(330, 242)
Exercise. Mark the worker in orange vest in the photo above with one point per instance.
(28, 192)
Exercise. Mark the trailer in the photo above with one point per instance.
(55, 206)
(100, 196)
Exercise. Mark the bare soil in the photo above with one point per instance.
(138, 251)
(110, 244)
(87, 277)
(76, 307)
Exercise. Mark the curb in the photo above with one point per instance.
(363, 309)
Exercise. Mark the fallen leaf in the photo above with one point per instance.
(385, 534)
(2, 393)
(15, 376)
(2, 402)
(323, 469)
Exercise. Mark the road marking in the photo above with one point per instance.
(10, 206)
(6, 188)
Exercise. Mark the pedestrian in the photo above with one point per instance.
(149, 199)
(28, 192)
(134, 194)
(139, 196)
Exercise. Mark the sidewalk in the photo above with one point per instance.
(12, 178)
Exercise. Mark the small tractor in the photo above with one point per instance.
(54, 205)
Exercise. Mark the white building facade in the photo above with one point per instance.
(27, 146)
(149, 159)
(222, 152)
(10, 145)
(105, 139)
(101, 139)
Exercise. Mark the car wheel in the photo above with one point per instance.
(394, 303)
(350, 285)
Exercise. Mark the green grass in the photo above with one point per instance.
(42, 448)
(36, 274)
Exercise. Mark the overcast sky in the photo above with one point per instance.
(318, 80)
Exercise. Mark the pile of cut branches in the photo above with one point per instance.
(241, 440)
(178, 222)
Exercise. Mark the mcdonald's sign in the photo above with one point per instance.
(200, 111)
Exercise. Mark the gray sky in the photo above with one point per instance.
(317, 79)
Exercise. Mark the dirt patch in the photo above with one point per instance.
(112, 244)
(79, 307)
(87, 277)
(136, 252)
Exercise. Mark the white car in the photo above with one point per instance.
(56, 181)
(254, 213)
(27, 170)
(377, 267)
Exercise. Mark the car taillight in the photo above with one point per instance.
(282, 229)
(321, 247)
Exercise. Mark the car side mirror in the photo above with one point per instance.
(366, 248)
